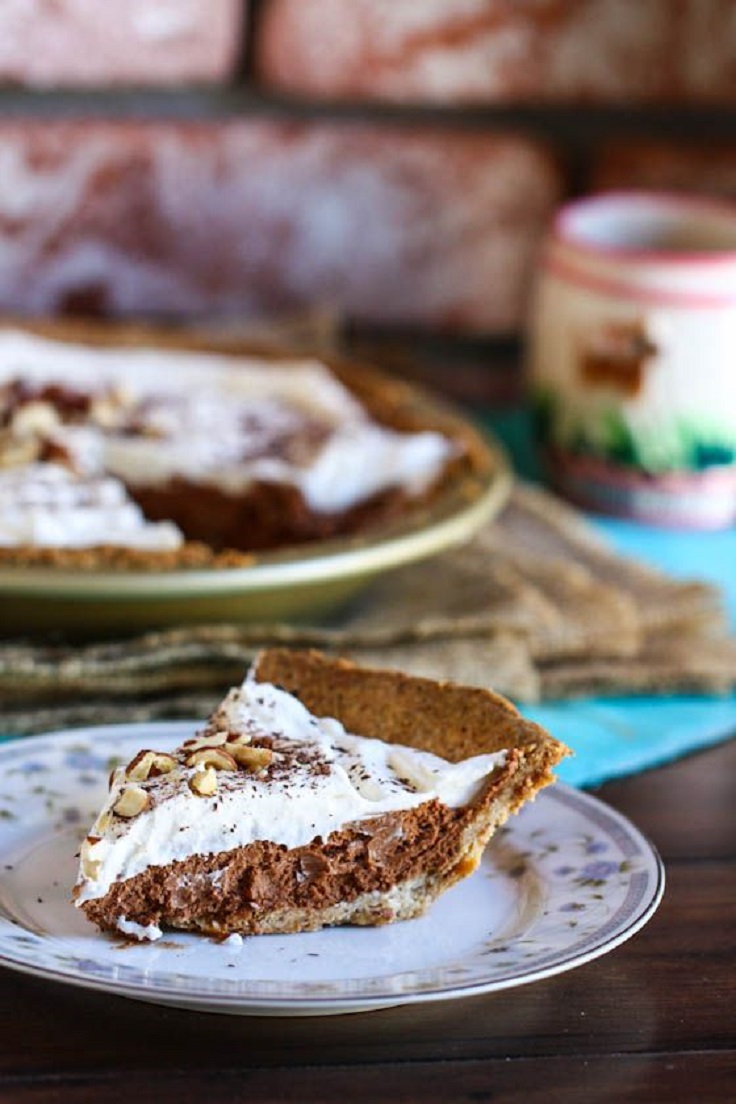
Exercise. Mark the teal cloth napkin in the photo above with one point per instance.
(613, 737)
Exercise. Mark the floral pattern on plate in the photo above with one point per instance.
(562, 883)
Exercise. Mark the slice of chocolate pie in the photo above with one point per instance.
(318, 793)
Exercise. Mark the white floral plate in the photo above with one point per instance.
(566, 881)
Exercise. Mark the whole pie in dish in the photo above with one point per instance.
(318, 793)
(128, 447)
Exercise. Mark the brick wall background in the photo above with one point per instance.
(393, 161)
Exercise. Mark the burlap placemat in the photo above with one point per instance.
(537, 606)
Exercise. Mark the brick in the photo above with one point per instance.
(708, 50)
(469, 51)
(389, 225)
(86, 42)
(667, 166)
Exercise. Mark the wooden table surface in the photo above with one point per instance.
(654, 1020)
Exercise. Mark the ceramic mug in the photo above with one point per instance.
(632, 357)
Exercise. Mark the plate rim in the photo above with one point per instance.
(174, 996)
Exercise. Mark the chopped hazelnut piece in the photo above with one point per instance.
(252, 758)
(34, 418)
(211, 740)
(204, 783)
(132, 801)
(17, 451)
(90, 868)
(212, 757)
(110, 409)
(237, 739)
(149, 764)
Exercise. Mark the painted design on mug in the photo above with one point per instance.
(617, 355)
(613, 407)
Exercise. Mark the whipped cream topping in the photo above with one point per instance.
(151, 416)
(139, 931)
(48, 506)
(321, 778)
